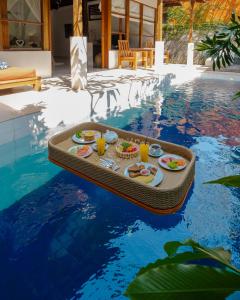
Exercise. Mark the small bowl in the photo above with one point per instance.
(145, 172)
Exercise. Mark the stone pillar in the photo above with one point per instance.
(78, 55)
(159, 55)
(190, 54)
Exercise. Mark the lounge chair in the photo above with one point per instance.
(14, 77)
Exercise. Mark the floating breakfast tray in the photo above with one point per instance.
(166, 198)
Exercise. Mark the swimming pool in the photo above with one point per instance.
(62, 237)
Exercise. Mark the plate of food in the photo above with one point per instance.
(86, 136)
(172, 162)
(127, 149)
(145, 173)
(81, 150)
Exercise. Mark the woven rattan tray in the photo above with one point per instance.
(166, 198)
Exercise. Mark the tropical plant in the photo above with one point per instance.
(201, 273)
(197, 273)
(231, 181)
(224, 45)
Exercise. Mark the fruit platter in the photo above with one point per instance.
(127, 150)
(151, 173)
(172, 162)
(81, 150)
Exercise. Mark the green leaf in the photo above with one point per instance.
(186, 257)
(218, 254)
(171, 248)
(179, 281)
(236, 96)
(230, 181)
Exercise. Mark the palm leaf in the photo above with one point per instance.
(223, 45)
(230, 181)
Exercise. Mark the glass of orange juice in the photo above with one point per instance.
(144, 149)
(101, 143)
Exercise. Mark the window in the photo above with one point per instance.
(134, 12)
(22, 24)
(118, 22)
(148, 26)
(141, 23)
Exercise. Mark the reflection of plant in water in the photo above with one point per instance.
(186, 110)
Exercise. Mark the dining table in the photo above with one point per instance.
(147, 53)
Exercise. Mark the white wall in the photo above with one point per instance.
(60, 17)
(61, 44)
(41, 61)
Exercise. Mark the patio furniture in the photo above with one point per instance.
(165, 198)
(149, 44)
(130, 55)
(13, 77)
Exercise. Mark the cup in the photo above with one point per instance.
(144, 150)
(101, 144)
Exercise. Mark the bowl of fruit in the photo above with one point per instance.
(127, 150)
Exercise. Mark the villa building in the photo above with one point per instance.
(34, 33)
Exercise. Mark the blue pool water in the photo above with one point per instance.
(62, 237)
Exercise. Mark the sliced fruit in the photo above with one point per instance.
(181, 162)
(172, 165)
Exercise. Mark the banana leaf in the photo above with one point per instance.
(230, 181)
(180, 281)
(202, 273)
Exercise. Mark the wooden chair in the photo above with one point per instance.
(149, 44)
(125, 54)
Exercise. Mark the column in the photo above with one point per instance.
(106, 8)
(190, 49)
(159, 43)
(78, 50)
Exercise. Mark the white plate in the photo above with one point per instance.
(94, 146)
(73, 150)
(82, 141)
(158, 177)
(165, 166)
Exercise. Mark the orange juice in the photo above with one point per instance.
(144, 149)
(101, 146)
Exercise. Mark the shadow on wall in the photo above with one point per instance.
(109, 95)
(138, 92)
